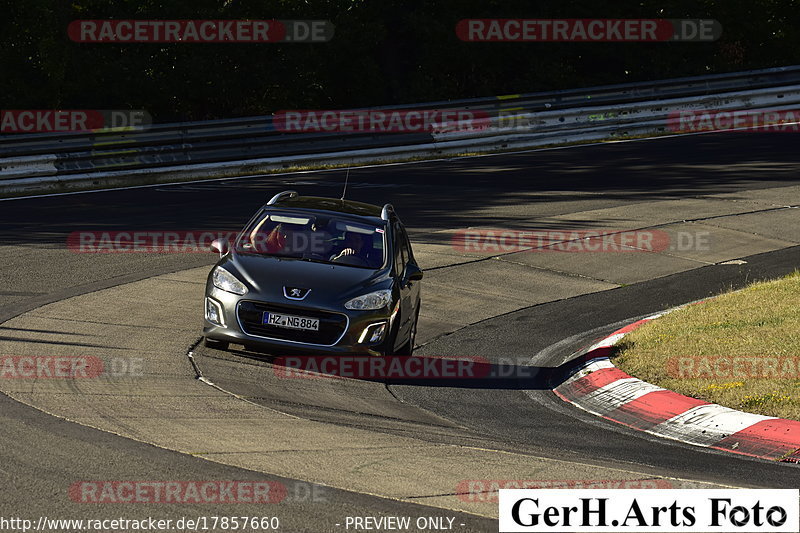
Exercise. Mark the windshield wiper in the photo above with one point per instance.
(314, 260)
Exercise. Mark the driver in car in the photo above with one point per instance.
(353, 246)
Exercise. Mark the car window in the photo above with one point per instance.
(410, 251)
(400, 249)
(317, 238)
(404, 250)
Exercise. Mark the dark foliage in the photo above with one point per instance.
(384, 52)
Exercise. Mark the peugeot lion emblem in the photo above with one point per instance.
(295, 293)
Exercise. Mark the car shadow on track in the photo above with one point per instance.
(466, 372)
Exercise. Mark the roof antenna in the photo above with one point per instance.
(346, 177)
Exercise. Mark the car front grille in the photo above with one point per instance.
(331, 325)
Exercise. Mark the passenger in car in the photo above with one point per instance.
(275, 241)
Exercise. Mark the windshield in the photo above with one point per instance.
(315, 238)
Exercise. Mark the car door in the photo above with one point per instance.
(414, 285)
(407, 288)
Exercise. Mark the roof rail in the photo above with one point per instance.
(280, 196)
(387, 211)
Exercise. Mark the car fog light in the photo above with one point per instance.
(214, 312)
(375, 333)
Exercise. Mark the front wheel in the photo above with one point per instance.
(408, 348)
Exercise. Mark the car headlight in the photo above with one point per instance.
(225, 281)
(373, 300)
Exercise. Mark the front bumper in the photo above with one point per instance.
(352, 338)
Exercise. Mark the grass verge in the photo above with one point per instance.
(741, 349)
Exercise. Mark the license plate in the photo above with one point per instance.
(291, 321)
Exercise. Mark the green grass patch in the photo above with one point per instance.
(740, 349)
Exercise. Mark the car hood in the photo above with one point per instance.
(268, 275)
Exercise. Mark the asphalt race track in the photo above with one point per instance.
(527, 313)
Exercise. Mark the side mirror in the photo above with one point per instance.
(220, 246)
(413, 272)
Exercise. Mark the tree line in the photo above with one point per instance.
(383, 52)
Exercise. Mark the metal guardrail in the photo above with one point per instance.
(220, 148)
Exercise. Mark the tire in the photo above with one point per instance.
(215, 344)
(387, 348)
(408, 348)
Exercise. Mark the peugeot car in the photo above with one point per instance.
(316, 276)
